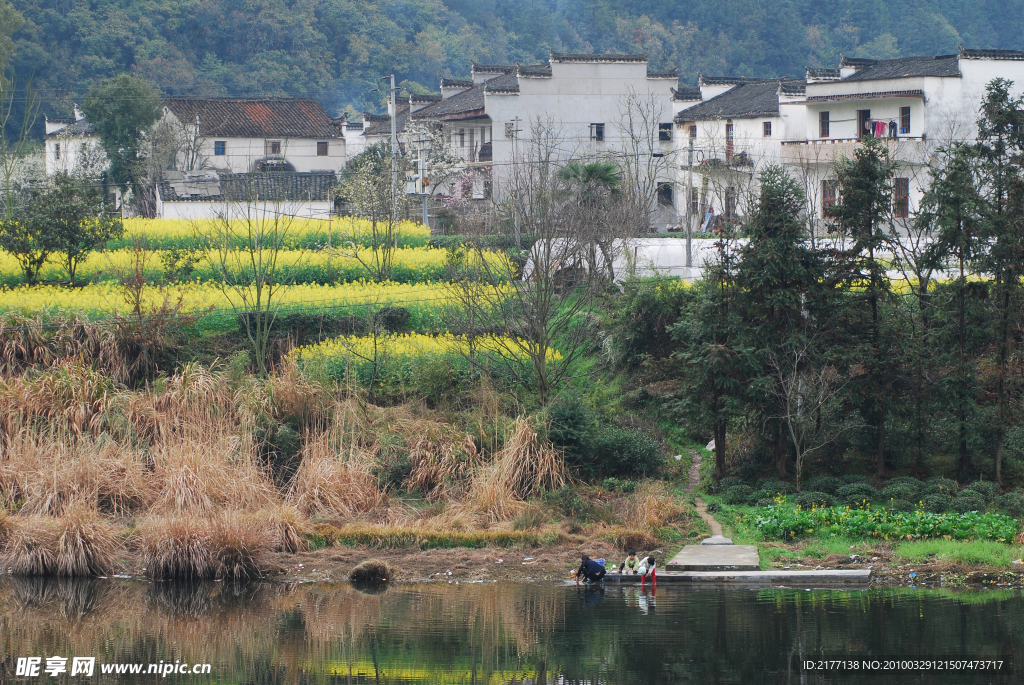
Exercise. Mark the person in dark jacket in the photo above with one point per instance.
(590, 571)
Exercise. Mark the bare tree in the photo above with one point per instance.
(646, 161)
(13, 151)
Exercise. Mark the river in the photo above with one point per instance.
(307, 633)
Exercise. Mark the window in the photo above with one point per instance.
(828, 197)
(273, 147)
(462, 137)
(823, 125)
(665, 132)
(218, 147)
(510, 130)
(694, 202)
(864, 123)
(730, 202)
(767, 129)
(693, 132)
(56, 150)
(321, 149)
(905, 120)
(901, 198)
(729, 141)
(597, 132)
(665, 195)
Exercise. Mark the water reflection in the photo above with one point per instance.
(263, 633)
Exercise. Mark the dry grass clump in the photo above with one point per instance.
(232, 545)
(289, 528)
(49, 473)
(440, 456)
(79, 544)
(627, 539)
(524, 465)
(328, 483)
(67, 395)
(201, 475)
(650, 507)
(27, 341)
(371, 571)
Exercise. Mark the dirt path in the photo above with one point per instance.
(702, 508)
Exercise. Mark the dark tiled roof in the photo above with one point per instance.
(670, 73)
(59, 120)
(354, 125)
(873, 70)
(970, 53)
(256, 117)
(746, 100)
(725, 80)
(456, 83)
(380, 124)
(492, 68)
(430, 97)
(868, 96)
(470, 102)
(822, 73)
(543, 70)
(793, 87)
(588, 57)
(76, 128)
(684, 93)
(269, 186)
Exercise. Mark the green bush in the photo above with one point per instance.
(902, 490)
(568, 502)
(1012, 503)
(787, 522)
(937, 502)
(727, 483)
(969, 500)
(943, 486)
(896, 504)
(985, 488)
(775, 487)
(738, 494)
(614, 484)
(714, 508)
(826, 484)
(851, 479)
(809, 498)
(855, 494)
(766, 502)
(626, 452)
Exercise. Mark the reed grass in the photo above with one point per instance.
(78, 544)
(398, 537)
(231, 545)
(329, 483)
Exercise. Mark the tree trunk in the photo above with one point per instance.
(880, 447)
(720, 449)
(780, 450)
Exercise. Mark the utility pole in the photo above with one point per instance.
(515, 215)
(393, 106)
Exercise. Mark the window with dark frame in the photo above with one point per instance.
(694, 202)
(905, 120)
(462, 137)
(901, 198)
(693, 132)
(828, 197)
(321, 148)
(56, 150)
(219, 146)
(730, 147)
(665, 195)
(597, 132)
(823, 128)
(273, 147)
(767, 129)
(665, 132)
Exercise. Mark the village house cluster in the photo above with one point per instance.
(711, 140)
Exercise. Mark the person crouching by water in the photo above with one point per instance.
(647, 568)
(590, 571)
(631, 564)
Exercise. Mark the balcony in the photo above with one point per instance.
(826, 151)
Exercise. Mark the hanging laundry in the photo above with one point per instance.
(892, 129)
(880, 129)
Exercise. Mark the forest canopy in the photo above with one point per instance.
(335, 50)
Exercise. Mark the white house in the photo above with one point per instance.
(913, 104)
(254, 134)
(70, 146)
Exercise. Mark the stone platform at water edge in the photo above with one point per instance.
(716, 554)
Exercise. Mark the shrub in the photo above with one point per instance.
(727, 483)
(568, 502)
(856, 493)
(940, 485)
(902, 490)
(896, 504)
(986, 488)
(826, 484)
(370, 571)
(774, 487)
(851, 479)
(714, 508)
(937, 502)
(968, 500)
(766, 502)
(1012, 503)
(626, 452)
(614, 484)
(809, 498)
(529, 518)
(738, 494)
